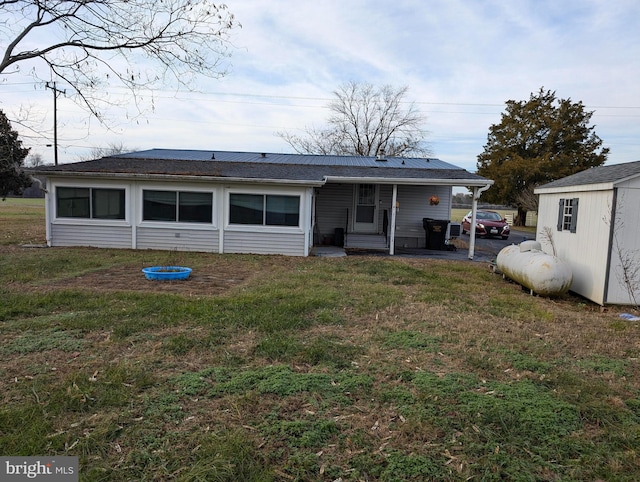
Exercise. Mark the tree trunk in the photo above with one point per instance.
(521, 217)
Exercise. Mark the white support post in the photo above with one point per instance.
(392, 230)
(477, 192)
(49, 202)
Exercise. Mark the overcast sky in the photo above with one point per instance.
(461, 59)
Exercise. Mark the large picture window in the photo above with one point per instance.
(90, 203)
(177, 206)
(264, 209)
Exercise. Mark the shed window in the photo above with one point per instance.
(90, 203)
(177, 206)
(264, 209)
(568, 215)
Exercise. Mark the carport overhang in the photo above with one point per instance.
(475, 185)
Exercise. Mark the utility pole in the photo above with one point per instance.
(56, 91)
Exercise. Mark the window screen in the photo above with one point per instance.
(107, 203)
(264, 209)
(159, 205)
(283, 210)
(72, 202)
(195, 207)
(90, 203)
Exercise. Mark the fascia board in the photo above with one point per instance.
(167, 177)
(406, 181)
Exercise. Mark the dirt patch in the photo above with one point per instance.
(212, 280)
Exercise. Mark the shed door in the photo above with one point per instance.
(365, 219)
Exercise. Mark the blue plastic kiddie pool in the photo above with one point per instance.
(166, 272)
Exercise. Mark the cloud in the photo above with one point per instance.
(461, 59)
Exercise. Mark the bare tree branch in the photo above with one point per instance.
(112, 149)
(627, 271)
(95, 42)
(527, 199)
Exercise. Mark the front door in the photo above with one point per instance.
(365, 219)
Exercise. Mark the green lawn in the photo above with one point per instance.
(266, 368)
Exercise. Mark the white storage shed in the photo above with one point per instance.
(592, 221)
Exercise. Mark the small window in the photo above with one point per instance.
(264, 209)
(90, 203)
(182, 206)
(568, 215)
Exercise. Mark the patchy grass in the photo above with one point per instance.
(265, 368)
(24, 219)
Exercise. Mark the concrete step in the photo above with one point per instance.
(365, 241)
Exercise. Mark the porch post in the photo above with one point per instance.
(477, 192)
(49, 203)
(392, 234)
(472, 227)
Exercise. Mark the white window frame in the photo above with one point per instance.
(56, 219)
(266, 191)
(568, 214)
(213, 225)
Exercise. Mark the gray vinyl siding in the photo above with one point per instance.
(178, 239)
(385, 198)
(332, 204)
(335, 200)
(413, 207)
(91, 235)
(264, 243)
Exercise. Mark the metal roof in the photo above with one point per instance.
(314, 169)
(597, 175)
(295, 159)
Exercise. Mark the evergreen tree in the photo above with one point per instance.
(12, 156)
(537, 141)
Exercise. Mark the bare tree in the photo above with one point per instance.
(528, 199)
(366, 121)
(629, 274)
(34, 160)
(546, 236)
(94, 42)
(112, 149)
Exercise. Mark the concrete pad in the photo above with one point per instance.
(328, 251)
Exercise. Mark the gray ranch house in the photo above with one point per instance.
(591, 220)
(244, 202)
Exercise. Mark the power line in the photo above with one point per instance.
(319, 99)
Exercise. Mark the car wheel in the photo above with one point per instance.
(505, 237)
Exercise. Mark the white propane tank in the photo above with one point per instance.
(528, 265)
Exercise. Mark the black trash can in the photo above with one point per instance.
(436, 232)
(338, 237)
